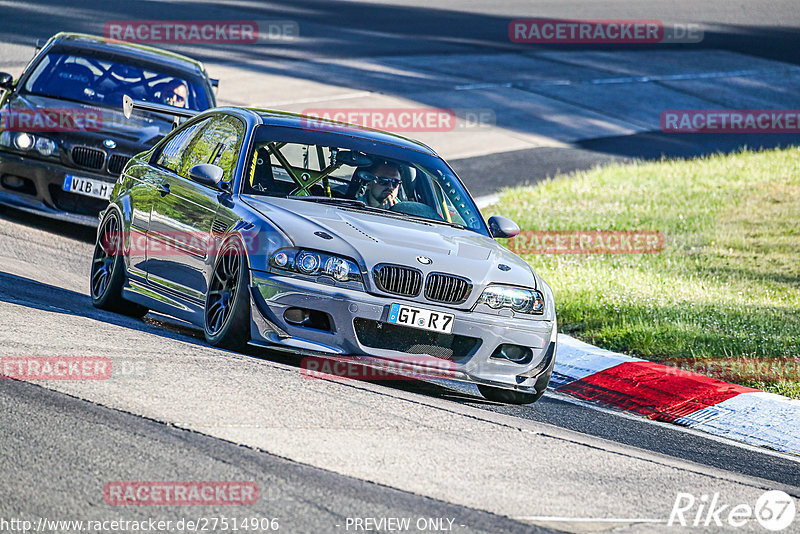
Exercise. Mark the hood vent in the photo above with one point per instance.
(398, 280)
(360, 231)
(218, 227)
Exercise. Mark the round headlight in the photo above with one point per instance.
(494, 298)
(45, 146)
(338, 268)
(308, 262)
(281, 259)
(520, 299)
(23, 141)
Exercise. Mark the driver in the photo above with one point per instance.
(175, 93)
(381, 191)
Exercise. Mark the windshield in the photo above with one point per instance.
(360, 177)
(98, 80)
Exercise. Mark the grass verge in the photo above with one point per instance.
(726, 284)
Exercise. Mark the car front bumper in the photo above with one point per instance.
(42, 193)
(357, 319)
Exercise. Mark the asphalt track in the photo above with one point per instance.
(323, 452)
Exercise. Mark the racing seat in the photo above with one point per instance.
(71, 81)
(263, 179)
(157, 92)
(355, 185)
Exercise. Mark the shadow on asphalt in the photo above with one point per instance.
(37, 295)
(78, 232)
(40, 296)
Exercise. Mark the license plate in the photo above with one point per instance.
(421, 318)
(87, 187)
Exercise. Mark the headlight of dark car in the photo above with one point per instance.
(313, 263)
(25, 142)
(521, 300)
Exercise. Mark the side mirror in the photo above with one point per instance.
(210, 175)
(6, 81)
(502, 227)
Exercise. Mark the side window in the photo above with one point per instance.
(218, 143)
(173, 152)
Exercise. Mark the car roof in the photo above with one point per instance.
(294, 120)
(132, 50)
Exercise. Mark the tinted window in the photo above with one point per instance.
(399, 184)
(94, 79)
(172, 154)
(216, 140)
(217, 143)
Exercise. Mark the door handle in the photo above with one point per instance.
(164, 190)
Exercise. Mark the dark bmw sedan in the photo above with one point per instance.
(63, 139)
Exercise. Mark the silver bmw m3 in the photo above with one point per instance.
(324, 239)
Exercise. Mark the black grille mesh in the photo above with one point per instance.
(447, 288)
(116, 163)
(387, 336)
(89, 158)
(398, 280)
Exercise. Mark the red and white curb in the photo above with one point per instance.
(672, 395)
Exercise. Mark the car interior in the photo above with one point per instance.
(93, 80)
(288, 169)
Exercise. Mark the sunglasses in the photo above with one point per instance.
(176, 98)
(382, 180)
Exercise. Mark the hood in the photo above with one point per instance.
(371, 239)
(141, 130)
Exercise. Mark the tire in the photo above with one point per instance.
(227, 309)
(508, 396)
(108, 270)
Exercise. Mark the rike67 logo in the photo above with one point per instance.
(774, 510)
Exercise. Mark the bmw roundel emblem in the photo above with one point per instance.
(110, 143)
(424, 260)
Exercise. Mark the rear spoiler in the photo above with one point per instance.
(129, 104)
